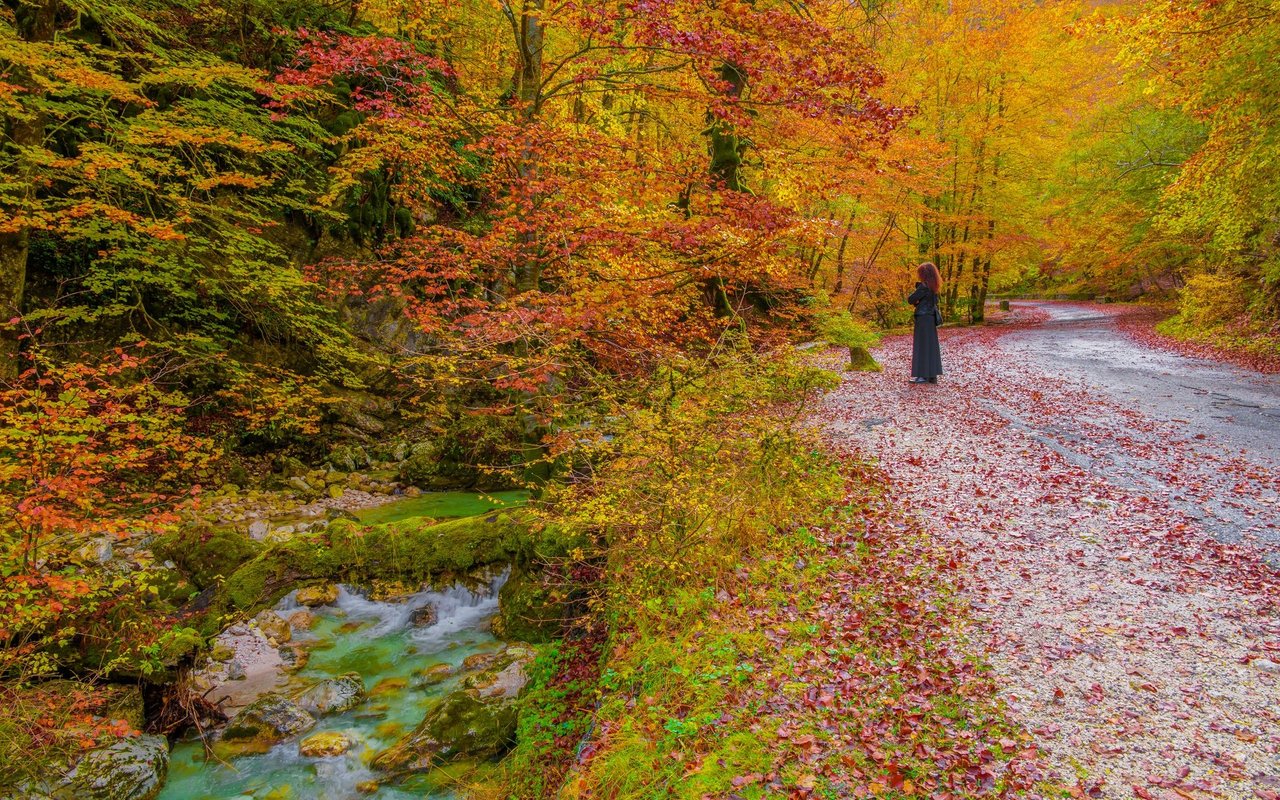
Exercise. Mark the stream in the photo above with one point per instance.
(380, 641)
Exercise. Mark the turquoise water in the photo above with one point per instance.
(378, 641)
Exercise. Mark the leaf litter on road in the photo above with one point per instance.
(1139, 650)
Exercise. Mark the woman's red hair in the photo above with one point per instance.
(929, 276)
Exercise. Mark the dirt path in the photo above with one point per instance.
(1116, 504)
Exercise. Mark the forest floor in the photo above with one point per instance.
(1115, 507)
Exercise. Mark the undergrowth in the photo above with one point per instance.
(763, 624)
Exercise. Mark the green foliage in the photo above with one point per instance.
(671, 515)
(89, 455)
(672, 507)
(842, 329)
(443, 505)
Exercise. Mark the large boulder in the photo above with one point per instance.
(129, 769)
(527, 610)
(264, 722)
(333, 695)
(204, 554)
(476, 721)
(349, 457)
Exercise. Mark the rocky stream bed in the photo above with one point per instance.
(352, 652)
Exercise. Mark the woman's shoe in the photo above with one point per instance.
(933, 380)
(919, 380)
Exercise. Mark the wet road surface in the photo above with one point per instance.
(1217, 421)
(1119, 508)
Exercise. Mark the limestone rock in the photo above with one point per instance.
(261, 724)
(480, 661)
(302, 620)
(325, 744)
(319, 595)
(273, 626)
(434, 674)
(293, 657)
(390, 590)
(129, 769)
(476, 721)
(333, 695)
(425, 617)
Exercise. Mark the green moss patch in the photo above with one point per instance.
(411, 551)
(205, 554)
(443, 505)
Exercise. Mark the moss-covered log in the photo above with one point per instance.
(408, 551)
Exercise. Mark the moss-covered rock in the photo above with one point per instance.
(321, 594)
(527, 611)
(204, 554)
(349, 457)
(324, 744)
(408, 551)
(261, 724)
(124, 703)
(129, 769)
(333, 695)
(477, 721)
(861, 360)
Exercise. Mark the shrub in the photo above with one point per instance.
(89, 454)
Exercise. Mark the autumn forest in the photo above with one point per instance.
(507, 398)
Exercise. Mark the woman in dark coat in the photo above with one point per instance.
(926, 357)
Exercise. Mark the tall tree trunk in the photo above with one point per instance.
(981, 278)
(726, 150)
(727, 147)
(36, 22)
(527, 271)
(981, 305)
(844, 242)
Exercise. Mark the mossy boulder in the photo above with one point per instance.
(333, 695)
(422, 467)
(349, 457)
(129, 769)
(321, 594)
(124, 702)
(324, 744)
(527, 611)
(261, 724)
(478, 720)
(861, 360)
(204, 554)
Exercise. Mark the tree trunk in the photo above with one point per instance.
(527, 271)
(727, 147)
(844, 242)
(36, 22)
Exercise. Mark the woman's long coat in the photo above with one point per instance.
(926, 356)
